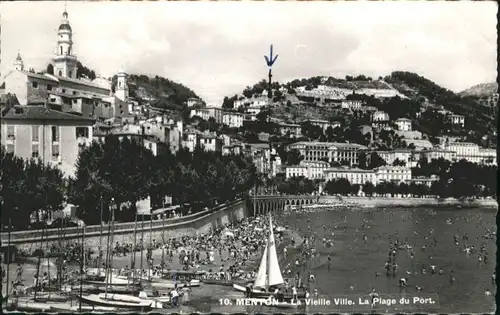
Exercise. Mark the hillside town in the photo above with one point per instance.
(57, 114)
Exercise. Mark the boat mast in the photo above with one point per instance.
(107, 252)
(38, 263)
(268, 258)
(150, 242)
(59, 256)
(142, 247)
(99, 259)
(48, 261)
(133, 256)
(112, 239)
(8, 263)
(163, 239)
(82, 257)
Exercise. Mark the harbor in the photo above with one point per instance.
(329, 252)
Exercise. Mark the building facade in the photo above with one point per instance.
(329, 151)
(232, 120)
(404, 124)
(210, 143)
(60, 81)
(295, 130)
(473, 153)
(53, 136)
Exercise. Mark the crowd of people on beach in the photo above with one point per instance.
(233, 251)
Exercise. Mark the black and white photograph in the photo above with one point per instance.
(248, 156)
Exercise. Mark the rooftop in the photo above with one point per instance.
(330, 144)
(345, 170)
(41, 113)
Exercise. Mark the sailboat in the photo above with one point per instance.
(268, 275)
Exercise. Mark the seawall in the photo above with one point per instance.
(189, 225)
(407, 202)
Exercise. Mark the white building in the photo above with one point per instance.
(60, 82)
(360, 176)
(308, 169)
(404, 124)
(233, 120)
(295, 130)
(457, 120)
(203, 113)
(392, 174)
(404, 155)
(352, 104)
(380, 116)
(473, 153)
(434, 154)
(330, 151)
(353, 175)
(192, 101)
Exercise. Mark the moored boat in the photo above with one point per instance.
(29, 306)
(95, 299)
(171, 284)
(268, 275)
(51, 297)
(226, 283)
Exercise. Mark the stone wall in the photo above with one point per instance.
(189, 225)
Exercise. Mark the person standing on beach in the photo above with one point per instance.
(186, 292)
(19, 273)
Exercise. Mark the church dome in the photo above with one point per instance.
(65, 27)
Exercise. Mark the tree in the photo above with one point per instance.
(262, 116)
(376, 161)
(355, 188)
(29, 187)
(294, 157)
(362, 162)
(398, 162)
(338, 186)
(368, 188)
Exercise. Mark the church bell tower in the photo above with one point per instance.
(64, 61)
(121, 89)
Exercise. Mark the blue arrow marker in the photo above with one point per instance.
(270, 60)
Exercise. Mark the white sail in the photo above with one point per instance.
(260, 279)
(274, 276)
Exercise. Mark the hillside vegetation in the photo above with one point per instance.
(481, 90)
(479, 117)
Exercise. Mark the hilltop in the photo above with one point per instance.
(401, 95)
(160, 92)
(481, 90)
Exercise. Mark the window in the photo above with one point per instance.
(34, 150)
(60, 47)
(71, 74)
(10, 148)
(82, 132)
(34, 133)
(34, 84)
(53, 99)
(49, 87)
(63, 90)
(60, 74)
(55, 151)
(75, 92)
(150, 146)
(55, 134)
(11, 130)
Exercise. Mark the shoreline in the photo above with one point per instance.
(374, 202)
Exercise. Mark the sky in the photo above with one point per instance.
(218, 48)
